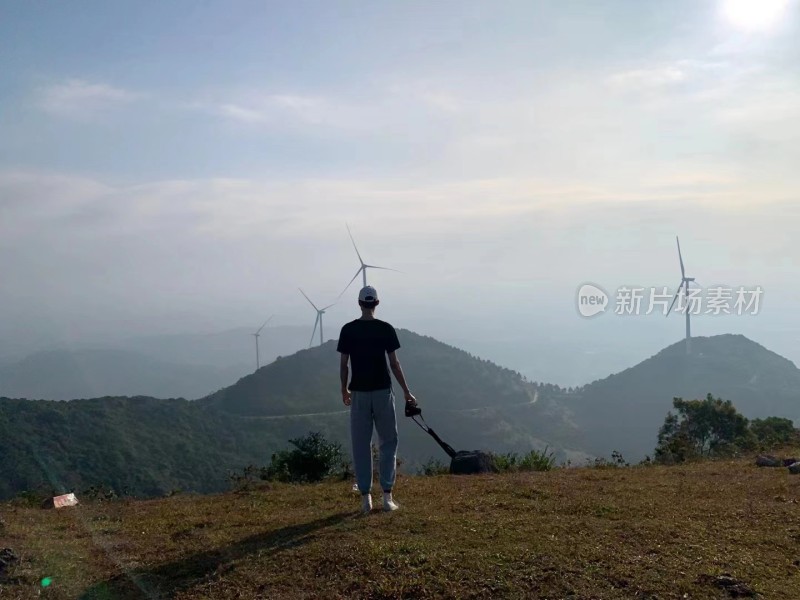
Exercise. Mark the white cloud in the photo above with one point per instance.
(238, 208)
(425, 94)
(31, 194)
(366, 110)
(687, 75)
(80, 99)
(648, 78)
(275, 110)
(240, 113)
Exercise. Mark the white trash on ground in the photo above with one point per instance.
(64, 500)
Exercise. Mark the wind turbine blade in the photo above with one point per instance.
(351, 281)
(680, 258)
(264, 325)
(314, 332)
(329, 305)
(309, 299)
(361, 260)
(674, 299)
(383, 268)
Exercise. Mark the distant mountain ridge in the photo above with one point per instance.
(624, 411)
(232, 347)
(164, 366)
(92, 373)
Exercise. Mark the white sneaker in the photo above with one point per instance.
(366, 504)
(388, 502)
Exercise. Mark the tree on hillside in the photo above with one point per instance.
(702, 429)
(774, 431)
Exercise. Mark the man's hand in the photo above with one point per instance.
(347, 397)
(411, 410)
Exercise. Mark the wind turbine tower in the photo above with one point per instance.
(256, 335)
(318, 321)
(685, 281)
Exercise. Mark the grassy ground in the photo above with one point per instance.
(643, 532)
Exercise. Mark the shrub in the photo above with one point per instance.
(247, 479)
(616, 461)
(774, 432)
(98, 493)
(312, 459)
(537, 461)
(505, 462)
(33, 498)
(599, 462)
(433, 466)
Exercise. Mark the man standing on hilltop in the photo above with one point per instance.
(365, 343)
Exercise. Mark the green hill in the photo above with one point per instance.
(471, 402)
(441, 376)
(624, 411)
(139, 446)
(148, 447)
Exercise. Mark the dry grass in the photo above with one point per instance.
(645, 532)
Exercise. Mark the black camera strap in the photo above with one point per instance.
(424, 426)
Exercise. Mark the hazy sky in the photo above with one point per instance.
(184, 166)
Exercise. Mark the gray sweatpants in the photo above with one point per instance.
(376, 408)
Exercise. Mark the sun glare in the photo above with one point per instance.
(754, 15)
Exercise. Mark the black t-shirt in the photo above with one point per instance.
(367, 342)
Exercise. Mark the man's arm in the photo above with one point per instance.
(394, 363)
(343, 375)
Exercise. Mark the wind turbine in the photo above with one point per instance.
(256, 335)
(320, 312)
(685, 284)
(364, 266)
